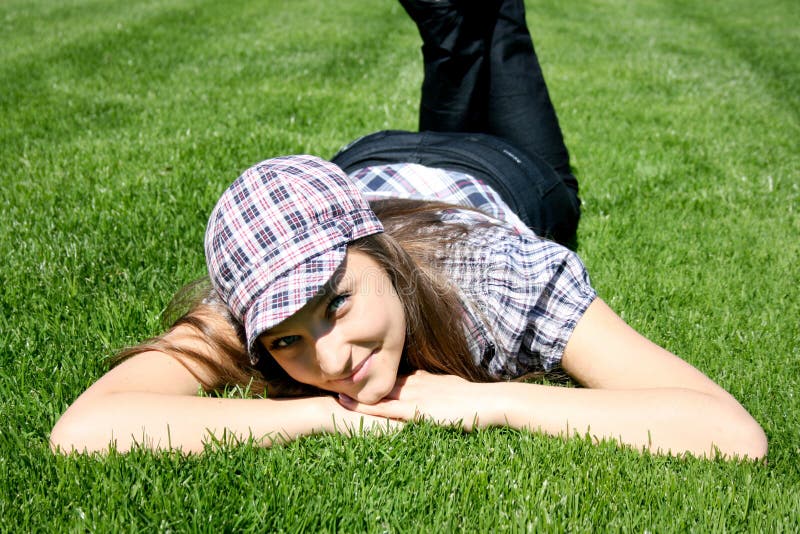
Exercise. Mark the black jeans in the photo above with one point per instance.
(485, 110)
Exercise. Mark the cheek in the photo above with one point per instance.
(382, 320)
(398, 319)
(296, 367)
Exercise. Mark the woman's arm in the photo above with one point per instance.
(639, 394)
(151, 400)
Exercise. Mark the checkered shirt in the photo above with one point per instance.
(522, 295)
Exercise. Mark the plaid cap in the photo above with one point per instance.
(278, 234)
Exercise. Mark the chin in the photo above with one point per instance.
(372, 396)
(368, 398)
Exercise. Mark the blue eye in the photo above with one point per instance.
(337, 302)
(283, 342)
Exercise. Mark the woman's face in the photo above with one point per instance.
(348, 340)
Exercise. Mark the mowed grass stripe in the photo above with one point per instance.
(120, 123)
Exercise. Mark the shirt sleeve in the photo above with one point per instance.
(560, 298)
(536, 291)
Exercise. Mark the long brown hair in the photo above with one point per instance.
(411, 251)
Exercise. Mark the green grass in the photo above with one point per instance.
(121, 122)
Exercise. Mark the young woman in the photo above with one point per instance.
(420, 281)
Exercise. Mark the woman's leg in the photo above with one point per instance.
(455, 40)
(520, 110)
(484, 111)
(482, 75)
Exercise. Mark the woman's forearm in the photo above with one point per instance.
(181, 422)
(659, 420)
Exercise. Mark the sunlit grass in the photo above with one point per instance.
(120, 124)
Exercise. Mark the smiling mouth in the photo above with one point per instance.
(360, 370)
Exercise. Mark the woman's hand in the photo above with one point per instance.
(151, 400)
(635, 393)
(443, 399)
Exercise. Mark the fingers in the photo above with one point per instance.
(406, 384)
(389, 408)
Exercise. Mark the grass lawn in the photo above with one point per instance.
(121, 123)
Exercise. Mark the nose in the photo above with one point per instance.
(333, 355)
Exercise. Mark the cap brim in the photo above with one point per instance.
(289, 292)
